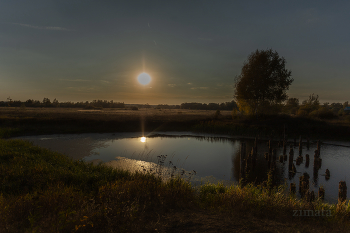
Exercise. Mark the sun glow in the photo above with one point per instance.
(143, 139)
(144, 78)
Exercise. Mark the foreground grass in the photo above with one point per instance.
(43, 191)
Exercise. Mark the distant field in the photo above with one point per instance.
(111, 113)
(34, 121)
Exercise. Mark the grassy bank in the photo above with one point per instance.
(43, 191)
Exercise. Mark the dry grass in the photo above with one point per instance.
(31, 121)
(42, 191)
(110, 114)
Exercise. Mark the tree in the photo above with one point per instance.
(263, 82)
(309, 105)
(291, 106)
(46, 102)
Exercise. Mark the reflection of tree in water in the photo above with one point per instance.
(257, 173)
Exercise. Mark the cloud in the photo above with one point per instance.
(75, 80)
(206, 39)
(201, 88)
(43, 28)
(84, 89)
(189, 83)
(172, 85)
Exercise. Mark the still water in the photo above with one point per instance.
(198, 158)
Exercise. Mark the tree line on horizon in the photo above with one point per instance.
(99, 104)
(308, 107)
(46, 103)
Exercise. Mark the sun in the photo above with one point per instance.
(144, 79)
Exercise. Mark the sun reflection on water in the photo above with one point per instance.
(143, 139)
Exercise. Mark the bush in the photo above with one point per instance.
(91, 107)
(322, 113)
(347, 118)
(134, 108)
(217, 114)
(302, 112)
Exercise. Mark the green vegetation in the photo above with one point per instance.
(43, 191)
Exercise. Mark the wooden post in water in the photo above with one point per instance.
(300, 146)
(317, 160)
(303, 184)
(315, 175)
(328, 174)
(255, 154)
(292, 188)
(321, 192)
(342, 191)
(273, 162)
(281, 158)
(319, 148)
(290, 162)
(310, 196)
(242, 158)
(307, 158)
(269, 155)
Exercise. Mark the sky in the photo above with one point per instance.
(89, 50)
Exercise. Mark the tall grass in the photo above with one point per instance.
(44, 191)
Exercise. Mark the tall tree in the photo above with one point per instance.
(263, 81)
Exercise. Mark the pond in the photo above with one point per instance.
(199, 158)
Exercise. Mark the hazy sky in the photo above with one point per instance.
(86, 50)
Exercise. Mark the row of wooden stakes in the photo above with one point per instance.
(249, 163)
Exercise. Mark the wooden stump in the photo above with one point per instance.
(303, 184)
(281, 158)
(243, 163)
(307, 158)
(328, 174)
(319, 147)
(292, 188)
(299, 160)
(310, 196)
(342, 191)
(321, 192)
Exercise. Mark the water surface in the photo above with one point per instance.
(198, 158)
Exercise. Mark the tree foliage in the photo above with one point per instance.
(263, 82)
(291, 106)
